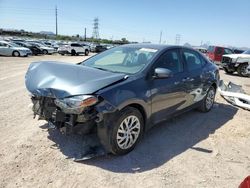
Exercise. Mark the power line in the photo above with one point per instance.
(56, 20)
(177, 39)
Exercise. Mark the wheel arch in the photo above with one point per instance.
(14, 52)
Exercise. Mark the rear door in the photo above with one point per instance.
(5, 49)
(78, 48)
(194, 82)
(168, 94)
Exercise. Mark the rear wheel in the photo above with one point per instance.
(73, 52)
(208, 101)
(16, 54)
(242, 70)
(124, 132)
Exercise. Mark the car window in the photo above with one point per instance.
(3, 44)
(192, 59)
(228, 51)
(76, 45)
(170, 60)
(210, 49)
(219, 50)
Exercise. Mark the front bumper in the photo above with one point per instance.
(25, 53)
(46, 109)
(229, 66)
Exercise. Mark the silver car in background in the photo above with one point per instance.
(45, 49)
(12, 49)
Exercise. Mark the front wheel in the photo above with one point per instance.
(242, 70)
(45, 52)
(124, 132)
(228, 71)
(208, 101)
(16, 54)
(86, 52)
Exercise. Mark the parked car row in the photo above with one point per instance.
(25, 47)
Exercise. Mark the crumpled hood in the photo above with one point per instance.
(59, 80)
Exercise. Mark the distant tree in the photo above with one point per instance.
(187, 44)
(124, 40)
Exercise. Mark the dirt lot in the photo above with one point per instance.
(193, 150)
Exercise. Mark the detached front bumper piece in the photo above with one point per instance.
(234, 94)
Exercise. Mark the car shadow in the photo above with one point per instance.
(160, 144)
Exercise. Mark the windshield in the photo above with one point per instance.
(246, 52)
(129, 60)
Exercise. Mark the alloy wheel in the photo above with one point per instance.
(210, 99)
(128, 132)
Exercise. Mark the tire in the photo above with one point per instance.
(242, 70)
(208, 101)
(73, 52)
(228, 71)
(16, 54)
(45, 52)
(118, 139)
(86, 52)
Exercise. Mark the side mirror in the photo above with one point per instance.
(162, 73)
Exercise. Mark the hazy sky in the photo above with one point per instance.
(222, 22)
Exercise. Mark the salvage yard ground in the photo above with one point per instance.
(193, 150)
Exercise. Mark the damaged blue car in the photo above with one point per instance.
(122, 92)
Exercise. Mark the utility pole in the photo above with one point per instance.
(56, 21)
(160, 37)
(85, 37)
(177, 39)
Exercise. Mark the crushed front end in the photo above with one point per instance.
(70, 115)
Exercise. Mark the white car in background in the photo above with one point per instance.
(43, 48)
(12, 49)
(239, 63)
(74, 49)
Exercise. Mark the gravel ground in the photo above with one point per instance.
(192, 150)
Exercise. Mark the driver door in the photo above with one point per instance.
(169, 94)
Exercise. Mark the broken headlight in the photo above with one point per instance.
(76, 104)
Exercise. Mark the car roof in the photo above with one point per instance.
(155, 46)
(220, 47)
(2, 41)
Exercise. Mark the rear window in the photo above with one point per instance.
(219, 50)
(210, 49)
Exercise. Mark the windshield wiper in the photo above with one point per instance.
(102, 69)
